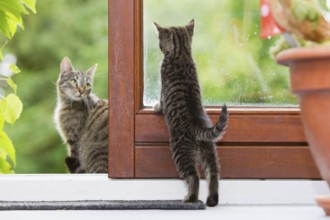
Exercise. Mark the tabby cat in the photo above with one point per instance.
(190, 129)
(81, 119)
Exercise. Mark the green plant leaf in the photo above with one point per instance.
(14, 7)
(4, 26)
(2, 121)
(3, 153)
(5, 167)
(11, 108)
(7, 148)
(14, 21)
(1, 49)
(10, 16)
(14, 68)
(12, 84)
(31, 4)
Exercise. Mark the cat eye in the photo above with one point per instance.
(88, 86)
(73, 82)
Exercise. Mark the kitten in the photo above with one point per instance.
(190, 129)
(77, 115)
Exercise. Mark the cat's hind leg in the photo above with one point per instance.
(193, 188)
(211, 169)
(184, 157)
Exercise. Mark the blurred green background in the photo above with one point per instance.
(234, 65)
(74, 28)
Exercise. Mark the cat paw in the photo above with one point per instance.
(212, 200)
(101, 103)
(158, 109)
(191, 198)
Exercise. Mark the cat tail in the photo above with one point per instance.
(217, 131)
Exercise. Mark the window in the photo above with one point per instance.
(233, 62)
(261, 142)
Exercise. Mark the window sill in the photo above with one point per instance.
(54, 187)
(239, 199)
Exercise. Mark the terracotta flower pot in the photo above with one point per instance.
(310, 80)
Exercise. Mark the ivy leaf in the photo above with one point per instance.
(31, 4)
(7, 148)
(11, 108)
(12, 84)
(14, 68)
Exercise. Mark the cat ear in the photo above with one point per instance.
(91, 71)
(190, 27)
(159, 29)
(162, 32)
(66, 65)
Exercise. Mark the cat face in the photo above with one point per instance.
(75, 85)
(175, 40)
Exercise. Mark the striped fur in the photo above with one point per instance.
(190, 129)
(81, 119)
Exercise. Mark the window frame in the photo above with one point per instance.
(260, 142)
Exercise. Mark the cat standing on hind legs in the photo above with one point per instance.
(191, 131)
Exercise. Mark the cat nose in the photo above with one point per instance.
(81, 90)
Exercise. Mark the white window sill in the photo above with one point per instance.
(239, 199)
(97, 186)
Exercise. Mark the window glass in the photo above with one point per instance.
(234, 65)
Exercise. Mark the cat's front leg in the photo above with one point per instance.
(158, 108)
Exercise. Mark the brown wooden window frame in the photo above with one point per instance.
(260, 142)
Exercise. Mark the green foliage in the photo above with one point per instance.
(11, 12)
(7, 152)
(10, 108)
(11, 15)
(74, 28)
